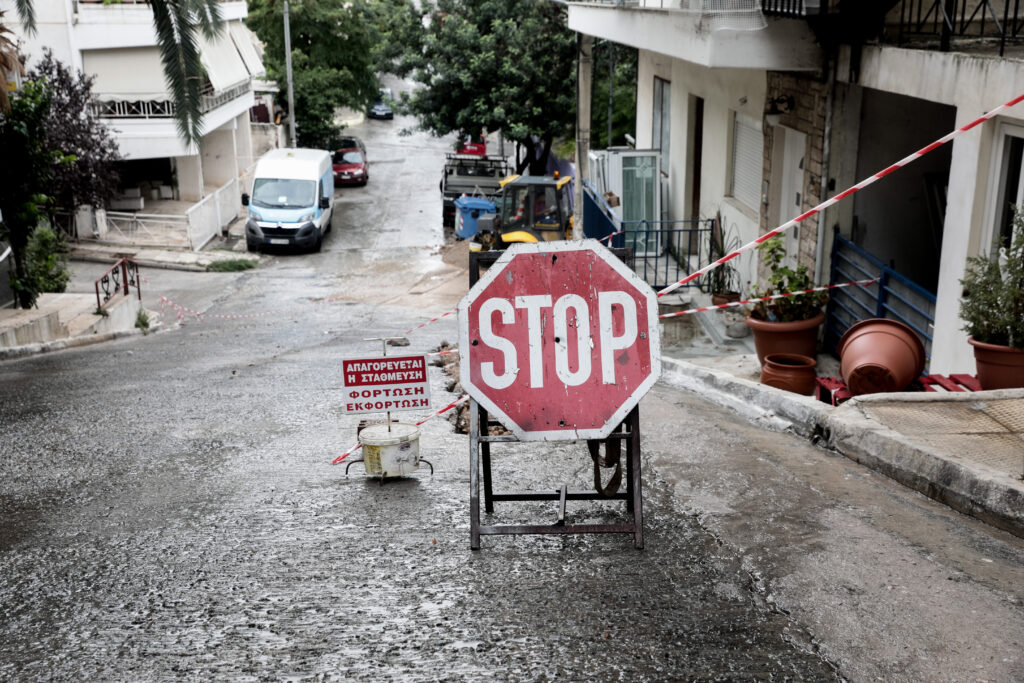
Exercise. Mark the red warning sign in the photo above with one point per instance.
(377, 385)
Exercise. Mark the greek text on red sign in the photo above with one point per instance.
(385, 384)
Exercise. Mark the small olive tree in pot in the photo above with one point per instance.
(993, 309)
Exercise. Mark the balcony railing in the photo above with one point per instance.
(164, 109)
(793, 8)
(950, 20)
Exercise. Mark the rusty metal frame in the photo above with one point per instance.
(480, 464)
(480, 468)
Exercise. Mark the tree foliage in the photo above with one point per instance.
(89, 176)
(332, 61)
(623, 59)
(504, 65)
(24, 176)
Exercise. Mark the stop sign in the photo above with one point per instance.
(559, 340)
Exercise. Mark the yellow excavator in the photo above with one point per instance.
(530, 209)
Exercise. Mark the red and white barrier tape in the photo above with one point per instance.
(432, 320)
(359, 445)
(733, 304)
(843, 195)
(609, 237)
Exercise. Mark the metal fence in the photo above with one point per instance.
(951, 20)
(212, 213)
(893, 296)
(148, 229)
(664, 252)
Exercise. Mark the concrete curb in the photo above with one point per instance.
(13, 352)
(89, 258)
(992, 497)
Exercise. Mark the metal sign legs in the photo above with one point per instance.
(480, 464)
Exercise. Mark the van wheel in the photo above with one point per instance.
(330, 219)
(319, 243)
(251, 245)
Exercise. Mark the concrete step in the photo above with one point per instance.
(48, 321)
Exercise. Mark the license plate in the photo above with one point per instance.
(278, 240)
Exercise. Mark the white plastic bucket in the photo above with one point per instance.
(391, 453)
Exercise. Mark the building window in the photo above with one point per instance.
(662, 120)
(1010, 179)
(747, 161)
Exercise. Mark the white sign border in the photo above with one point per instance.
(653, 326)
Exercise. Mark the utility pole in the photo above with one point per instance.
(288, 72)
(584, 72)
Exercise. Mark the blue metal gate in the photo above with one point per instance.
(893, 296)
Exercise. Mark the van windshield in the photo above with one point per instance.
(283, 193)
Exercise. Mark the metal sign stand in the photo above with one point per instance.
(480, 465)
(384, 352)
(480, 459)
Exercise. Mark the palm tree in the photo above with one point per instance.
(177, 23)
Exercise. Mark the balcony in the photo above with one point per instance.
(698, 31)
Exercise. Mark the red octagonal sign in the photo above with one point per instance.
(559, 340)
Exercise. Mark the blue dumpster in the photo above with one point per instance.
(469, 209)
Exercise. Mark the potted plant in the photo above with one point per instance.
(789, 324)
(993, 309)
(723, 281)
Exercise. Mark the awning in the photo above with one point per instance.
(220, 58)
(113, 81)
(246, 41)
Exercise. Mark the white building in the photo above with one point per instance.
(759, 107)
(116, 43)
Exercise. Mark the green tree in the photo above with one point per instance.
(397, 29)
(507, 65)
(89, 176)
(26, 171)
(332, 62)
(178, 24)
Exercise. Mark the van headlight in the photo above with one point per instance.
(254, 214)
(307, 217)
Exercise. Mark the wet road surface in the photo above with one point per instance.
(168, 510)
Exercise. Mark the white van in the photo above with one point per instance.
(292, 199)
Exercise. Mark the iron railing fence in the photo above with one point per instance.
(163, 109)
(894, 296)
(953, 20)
(119, 279)
(664, 252)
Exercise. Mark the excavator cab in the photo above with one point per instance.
(531, 209)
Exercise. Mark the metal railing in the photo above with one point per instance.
(119, 279)
(664, 252)
(213, 212)
(793, 8)
(163, 109)
(961, 19)
(894, 296)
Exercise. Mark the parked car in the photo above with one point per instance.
(468, 144)
(350, 166)
(350, 142)
(380, 110)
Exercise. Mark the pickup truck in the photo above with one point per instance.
(476, 176)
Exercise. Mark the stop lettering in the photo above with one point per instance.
(559, 340)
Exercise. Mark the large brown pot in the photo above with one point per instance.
(799, 337)
(790, 371)
(999, 367)
(879, 355)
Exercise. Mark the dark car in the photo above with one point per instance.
(380, 110)
(351, 142)
(350, 167)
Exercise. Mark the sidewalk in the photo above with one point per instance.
(963, 449)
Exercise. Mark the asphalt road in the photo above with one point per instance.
(168, 510)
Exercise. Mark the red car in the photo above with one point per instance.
(350, 167)
(469, 145)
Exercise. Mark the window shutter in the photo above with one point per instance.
(747, 162)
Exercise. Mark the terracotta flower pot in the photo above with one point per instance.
(879, 355)
(719, 298)
(999, 367)
(790, 371)
(799, 337)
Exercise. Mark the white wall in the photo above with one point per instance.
(220, 165)
(974, 85)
